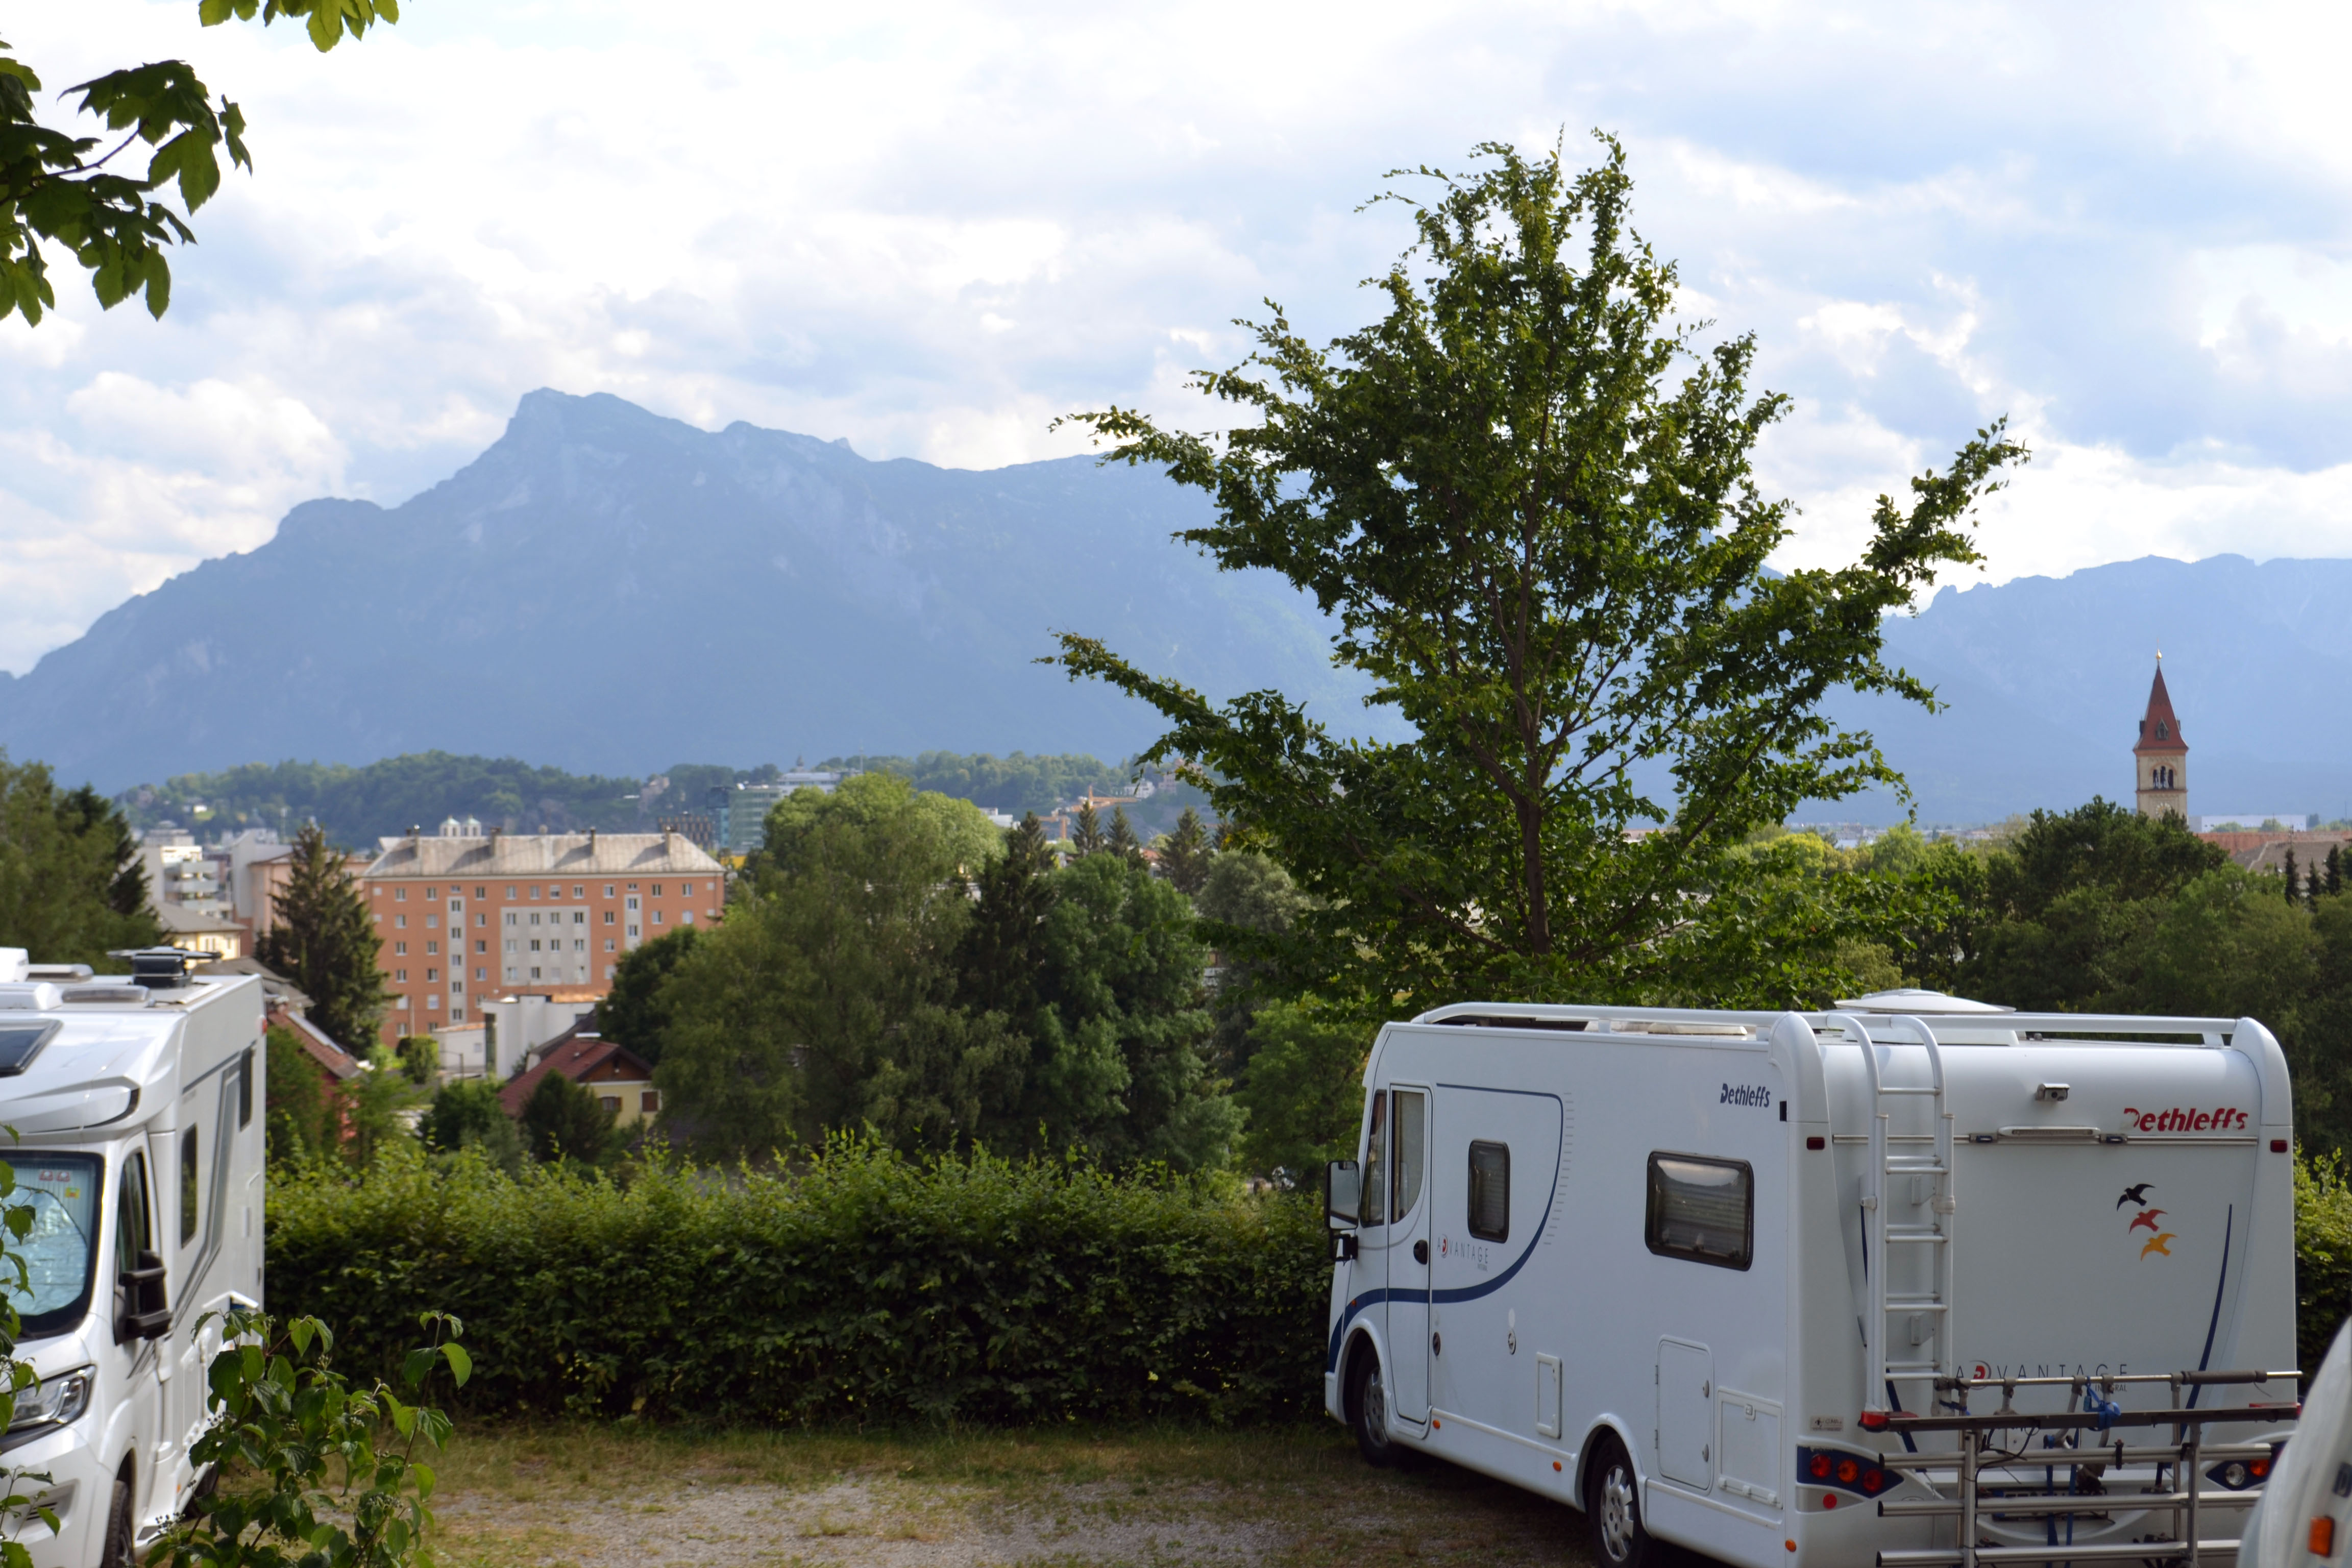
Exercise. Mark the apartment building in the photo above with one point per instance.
(464, 919)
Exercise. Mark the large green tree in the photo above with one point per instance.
(1526, 497)
(68, 871)
(324, 941)
(633, 1011)
(830, 963)
(112, 219)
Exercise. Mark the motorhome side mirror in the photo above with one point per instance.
(149, 1317)
(1343, 1193)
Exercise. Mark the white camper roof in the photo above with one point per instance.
(88, 1053)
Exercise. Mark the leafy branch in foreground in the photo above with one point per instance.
(67, 189)
(307, 1477)
(1527, 498)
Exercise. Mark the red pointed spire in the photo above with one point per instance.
(2159, 729)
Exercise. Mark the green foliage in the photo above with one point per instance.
(1086, 835)
(831, 961)
(419, 1056)
(466, 1113)
(374, 1108)
(1121, 840)
(564, 1121)
(320, 1475)
(62, 879)
(357, 806)
(324, 941)
(1018, 782)
(1304, 1090)
(1185, 854)
(2323, 1254)
(1245, 900)
(56, 187)
(299, 1102)
(867, 1288)
(633, 1012)
(1529, 500)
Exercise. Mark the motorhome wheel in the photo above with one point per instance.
(118, 1551)
(1367, 1404)
(1614, 1504)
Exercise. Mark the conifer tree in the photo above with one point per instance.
(326, 944)
(2294, 882)
(2334, 869)
(1087, 838)
(1185, 854)
(1001, 953)
(1122, 841)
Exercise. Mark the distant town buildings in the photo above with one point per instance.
(739, 816)
(464, 919)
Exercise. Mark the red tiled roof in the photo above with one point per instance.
(575, 1058)
(2159, 729)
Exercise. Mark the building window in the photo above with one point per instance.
(511, 916)
(481, 947)
(457, 1014)
(400, 1004)
(608, 917)
(400, 950)
(686, 919)
(610, 970)
(578, 945)
(649, 1100)
(512, 971)
(633, 903)
(434, 1001)
(656, 889)
(431, 975)
(608, 890)
(633, 933)
(400, 921)
(432, 895)
(456, 986)
(511, 893)
(534, 890)
(578, 892)
(580, 917)
(534, 917)
(534, 944)
(657, 917)
(400, 975)
(480, 893)
(400, 895)
(433, 921)
(432, 947)
(481, 919)
(633, 886)
(534, 973)
(456, 904)
(611, 1102)
(375, 892)
(513, 946)
(481, 974)
(608, 945)
(686, 889)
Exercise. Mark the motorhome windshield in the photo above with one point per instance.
(60, 1251)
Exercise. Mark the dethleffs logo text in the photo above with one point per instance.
(2226, 1120)
(1746, 1094)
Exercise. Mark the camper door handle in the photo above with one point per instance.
(142, 1276)
(1421, 1252)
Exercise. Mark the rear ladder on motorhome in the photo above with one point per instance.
(1925, 1316)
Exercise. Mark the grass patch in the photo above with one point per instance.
(582, 1496)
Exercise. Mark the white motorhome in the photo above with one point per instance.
(136, 1102)
(1917, 1282)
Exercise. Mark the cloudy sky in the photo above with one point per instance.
(2124, 226)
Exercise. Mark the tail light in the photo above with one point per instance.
(1846, 1471)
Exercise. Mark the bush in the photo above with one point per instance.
(2323, 1255)
(867, 1288)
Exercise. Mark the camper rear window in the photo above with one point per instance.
(1490, 1191)
(1702, 1209)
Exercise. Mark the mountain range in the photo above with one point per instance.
(604, 590)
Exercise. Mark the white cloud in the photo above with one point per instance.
(933, 231)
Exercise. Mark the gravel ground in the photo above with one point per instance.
(586, 1498)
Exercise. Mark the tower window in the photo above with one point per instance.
(2161, 731)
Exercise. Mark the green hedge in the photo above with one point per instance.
(2323, 1255)
(865, 1289)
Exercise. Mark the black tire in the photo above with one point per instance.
(120, 1549)
(1613, 1506)
(1368, 1407)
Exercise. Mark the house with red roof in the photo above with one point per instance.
(617, 1077)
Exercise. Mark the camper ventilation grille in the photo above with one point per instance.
(113, 993)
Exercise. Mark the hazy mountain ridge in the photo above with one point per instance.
(604, 590)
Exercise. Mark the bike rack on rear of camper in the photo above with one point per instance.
(2090, 1409)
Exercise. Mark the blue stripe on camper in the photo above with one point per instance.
(2228, 1227)
(1469, 1292)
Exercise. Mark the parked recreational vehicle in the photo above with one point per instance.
(1915, 1282)
(136, 1104)
(2304, 1518)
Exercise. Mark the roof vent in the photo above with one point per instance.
(32, 998)
(106, 994)
(11, 964)
(1911, 1000)
(58, 971)
(161, 968)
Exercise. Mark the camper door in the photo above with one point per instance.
(1409, 1327)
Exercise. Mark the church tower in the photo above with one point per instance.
(2161, 758)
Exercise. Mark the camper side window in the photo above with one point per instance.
(132, 1235)
(1376, 1165)
(244, 1090)
(189, 1185)
(1702, 1209)
(1490, 1191)
(1408, 1118)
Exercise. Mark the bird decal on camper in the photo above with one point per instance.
(2156, 1244)
(2144, 1218)
(2136, 1194)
